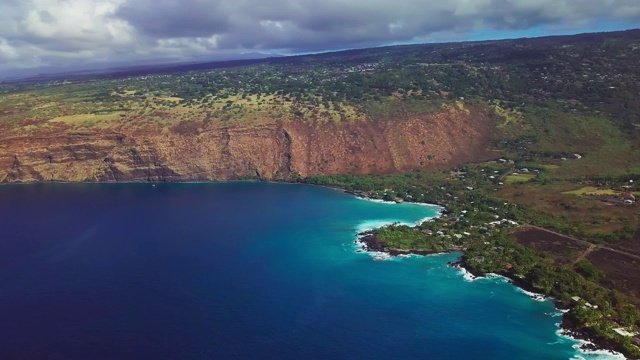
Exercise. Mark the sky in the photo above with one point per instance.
(47, 36)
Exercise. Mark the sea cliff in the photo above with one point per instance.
(201, 151)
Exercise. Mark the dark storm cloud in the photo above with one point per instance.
(44, 32)
(303, 25)
(169, 18)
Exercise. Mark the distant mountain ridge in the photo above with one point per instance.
(252, 58)
(150, 68)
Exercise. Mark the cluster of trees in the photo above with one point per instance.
(410, 238)
(587, 74)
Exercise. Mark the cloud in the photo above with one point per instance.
(38, 33)
(169, 18)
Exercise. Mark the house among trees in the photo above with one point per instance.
(628, 198)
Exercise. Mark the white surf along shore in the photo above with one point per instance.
(369, 225)
(563, 334)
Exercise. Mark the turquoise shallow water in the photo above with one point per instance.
(240, 271)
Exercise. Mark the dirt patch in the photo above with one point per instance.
(631, 246)
(622, 271)
(588, 213)
(563, 249)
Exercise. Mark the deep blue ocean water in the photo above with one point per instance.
(240, 271)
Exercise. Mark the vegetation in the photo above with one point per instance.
(518, 178)
(519, 79)
(481, 224)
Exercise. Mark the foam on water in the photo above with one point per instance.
(376, 255)
(439, 209)
(369, 225)
(466, 275)
(583, 354)
(379, 201)
(372, 225)
(532, 295)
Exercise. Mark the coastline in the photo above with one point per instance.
(568, 329)
(363, 196)
(369, 243)
(587, 344)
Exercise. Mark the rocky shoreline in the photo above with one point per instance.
(568, 327)
(370, 243)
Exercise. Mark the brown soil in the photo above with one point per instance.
(598, 215)
(564, 249)
(631, 246)
(623, 272)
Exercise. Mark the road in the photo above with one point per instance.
(591, 247)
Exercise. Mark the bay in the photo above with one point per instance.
(241, 270)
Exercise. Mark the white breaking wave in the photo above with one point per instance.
(588, 354)
(496, 276)
(369, 225)
(466, 274)
(376, 200)
(558, 313)
(380, 256)
(470, 277)
(532, 295)
(439, 208)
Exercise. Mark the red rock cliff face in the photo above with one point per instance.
(230, 152)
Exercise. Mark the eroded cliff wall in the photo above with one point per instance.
(268, 151)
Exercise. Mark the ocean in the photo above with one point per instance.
(242, 270)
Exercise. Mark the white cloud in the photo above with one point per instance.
(7, 52)
(75, 32)
(81, 21)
